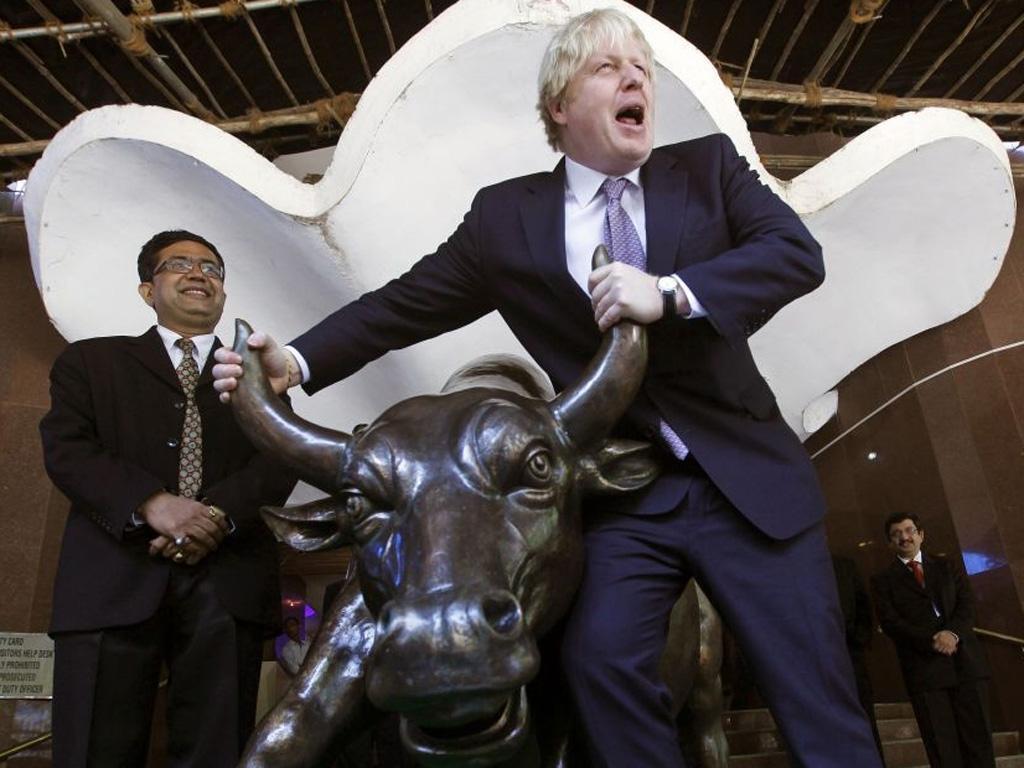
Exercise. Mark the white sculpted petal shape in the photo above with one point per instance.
(915, 215)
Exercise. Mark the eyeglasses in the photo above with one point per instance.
(897, 534)
(182, 266)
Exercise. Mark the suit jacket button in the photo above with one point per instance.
(172, 443)
(179, 405)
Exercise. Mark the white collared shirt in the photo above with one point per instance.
(203, 345)
(584, 222)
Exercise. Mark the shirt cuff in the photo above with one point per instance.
(303, 365)
(696, 308)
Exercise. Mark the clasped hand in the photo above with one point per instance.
(945, 642)
(178, 519)
(620, 292)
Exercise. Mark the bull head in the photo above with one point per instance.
(464, 511)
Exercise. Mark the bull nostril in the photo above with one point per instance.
(501, 612)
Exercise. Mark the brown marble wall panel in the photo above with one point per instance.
(26, 493)
(28, 343)
(952, 449)
(1003, 307)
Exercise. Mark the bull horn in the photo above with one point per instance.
(315, 453)
(589, 409)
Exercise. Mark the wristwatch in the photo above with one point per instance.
(668, 286)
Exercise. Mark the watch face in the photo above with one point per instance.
(666, 284)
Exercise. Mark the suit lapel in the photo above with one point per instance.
(542, 213)
(665, 190)
(206, 375)
(150, 351)
(905, 576)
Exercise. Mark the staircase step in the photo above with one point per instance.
(761, 719)
(748, 720)
(893, 710)
(1006, 761)
(902, 728)
(752, 742)
(907, 753)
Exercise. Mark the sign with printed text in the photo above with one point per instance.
(26, 666)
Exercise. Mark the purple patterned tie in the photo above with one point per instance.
(624, 243)
(190, 453)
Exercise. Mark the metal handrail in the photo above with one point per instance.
(43, 737)
(1000, 636)
(17, 748)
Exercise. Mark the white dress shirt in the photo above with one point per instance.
(203, 345)
(584, 222)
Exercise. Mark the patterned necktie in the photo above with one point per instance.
(624, 243)
(918, 572)
(190, 456)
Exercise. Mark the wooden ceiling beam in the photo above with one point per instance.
(313, 64)
(939, 5)
(977, 18)
(865, 31)
(999, 76)
(94, 27)
(354, 31)
(387, 26)
(339, 108)
(269, 58)
(724, 30)
(169, 38)
(684, 26)
(14, 128)
(133, 43)
(227, 66)
(809, 7)
(29, 103)
(788, 93)
(985, 56)
(102, 72)
(37, 64)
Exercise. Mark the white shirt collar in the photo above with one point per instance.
(203, 342)
(916, 558)
(584, 183)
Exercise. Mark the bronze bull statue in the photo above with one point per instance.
(464, 512)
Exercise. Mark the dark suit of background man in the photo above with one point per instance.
(164, 557)
(738, 505)
(929, 617)
(857, 621)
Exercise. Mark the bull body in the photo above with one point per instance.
(464, 512)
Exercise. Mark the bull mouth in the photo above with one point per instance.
(471, 744)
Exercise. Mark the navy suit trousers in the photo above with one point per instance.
(777, 597)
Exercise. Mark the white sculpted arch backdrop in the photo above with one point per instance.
(914, 215)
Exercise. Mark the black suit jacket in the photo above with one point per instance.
(742, 251)
(110, 440)
(854, 603)
(906, 614)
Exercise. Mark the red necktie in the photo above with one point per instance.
(918, 572)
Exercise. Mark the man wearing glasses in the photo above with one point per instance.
(924, 604)
(165, 560)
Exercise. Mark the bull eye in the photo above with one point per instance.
(356, 506)
(539, 468)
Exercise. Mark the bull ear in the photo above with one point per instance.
(311, 527)
(619, 466)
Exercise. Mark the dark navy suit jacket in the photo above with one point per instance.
(742, 251)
